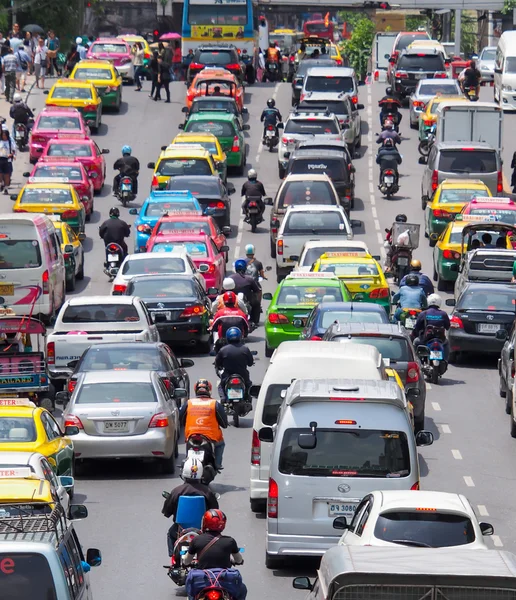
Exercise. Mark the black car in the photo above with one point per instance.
(224, 56)
(218, 103)
(130, 356)
(211, 193)
(325, 314)
(482, 318)
(412, 66)
(300, 73)
(178, 305)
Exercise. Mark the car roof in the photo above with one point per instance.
(307, 153)
(400, 499)
(96, 62)
(454, 183)
(73, 82)
(48, 185)
(305, 177)
(380, 329)
(314, 208)
(214, 99)
(335, 242)
(212, 115)
(167, 195)
(70, 110)
(112, 376)
(177, 252)
(185, 236)
(167, 276)
(122, 345)
(308, 278)
(460, 145)
(81, 301)
(487, 286)
(350, 306)
(331, 71)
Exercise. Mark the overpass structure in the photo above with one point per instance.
(320, 5)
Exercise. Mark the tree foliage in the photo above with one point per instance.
(359, 47)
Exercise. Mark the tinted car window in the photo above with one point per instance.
(329, 83)
(456, 195)
(214, 103)
(310, 126)
(488, 54)
(304, 65)
(195, 185)
(395, 349)
(17, 429)
(109, 48)
(504, 215)
(19, 254)
(215, 58)
(128, 358)
(174, 226)
(337, 107)
(46, 196)
(307, 295)
(79, 150)
(510, 64)
(53, 122)
(314, 253)
(195, 249)
(90, 73)
(407, 39)
(156, 209)
(350, 269)
(312, 222)
(492, 300)
(217, 14)
(152, 265)
(459, 161)
(432, 89)
(306, 192)
(100, 313)
(160, 288)
(272, 403)
(46, 170)
(218, 128)
(71, 93)
(29, 579)
(333, 167)
(119, 392)
(332, 316)
(183, 166)
(428, 62)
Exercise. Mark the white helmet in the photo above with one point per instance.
(252, 174)
(17, 98)
(434, 300)
(78, 40)
(228, 284)
(192, 469)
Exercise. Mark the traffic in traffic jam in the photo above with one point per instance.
(281, 316)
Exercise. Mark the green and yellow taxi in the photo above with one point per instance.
(52, 199)
(361, 273)
(31, 492)
(448, 200)
(181, 160)
(106, 79)
(81, 95)
(293, 301)
(24, 427)
(428, 118)
(209, 142)
(73, 253)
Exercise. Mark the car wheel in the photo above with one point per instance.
(281, 172)
(423, 202)
(273, 562)
(413, 125)
(293, 101)
(273, 249)
(508, 402)
(176, 449)
(118, 104)
(168, 465)
(442, 285)
(434, 274)
(431, 241)
(513, 424)
(70, 283)
(268, 351)
(80, 274)
(258, 505)
(79, 468)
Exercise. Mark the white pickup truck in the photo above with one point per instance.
(96, 320)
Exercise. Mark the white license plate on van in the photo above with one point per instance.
(116, 426)
(344, 509)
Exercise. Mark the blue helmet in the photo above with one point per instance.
(240, 265)
(126, 150)
(233, 335)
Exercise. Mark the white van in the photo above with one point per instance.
(336, 441)
(505, 71)
(32, 270)
(294, 360)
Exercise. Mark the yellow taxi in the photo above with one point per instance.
(209, 142)
(81, 95)
(73, 252)
(24, 427)
(428, 118)
(36, 495)
(427, 45)
(106, 79)
(314, 42)
(447, 202)
(132, 39)
(361, 273)
(52, 199)
(181, 160)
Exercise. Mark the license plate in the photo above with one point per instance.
(403, 261)
(112, 257)
(269, 133)
(389, 179)
(125, 187)
(346, 509)
(199, 455)
(254, 211)
(19, 135)
(410, 323)
(166, 313)
(118, 426)
(7, 289)
(488, 327)
(235, 394)
(419, 76)
(436, 355)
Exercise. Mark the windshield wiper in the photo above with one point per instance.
(412, 543)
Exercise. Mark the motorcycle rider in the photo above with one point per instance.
(411, 295)
(249, 287)
(388, 133)
(233, 359)
(388, 157)
(389, 106)
(203, 415)
(389, 246)
(253, 188)
(424, 281)
(254, 266)
(21, 113)
(114, 230)
(228, 285)
(470, 77)
(216, 554)
(270, 116)
(128, 166)
(230, 313)
(431, 323)
(192, 486)
(273, 55)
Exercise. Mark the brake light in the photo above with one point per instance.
(119, 289)
(236, 144)
(113, 248)
(417, 103)
(451, 255)
(428, 122)
(220, 205)
(51, 353)
(196, 66)
(127, 180)
(255, 449)
(272, 500)
(354, 99)
(339, 61)
(154, 183)
(415, 487)
(302, 97)
(443, 214)
(499, 183)
(400, 75)
(440, 75)
(456, 322)
(286, 140)
(38, 139)
(158, 420)
(67, 255)
(69, 214)
(71, 385)
(435, 180)
(233, 66)
(143, 228)
(235, 381)
(90, 108)
(73, 421)
(379, 293)
(412, 372)
(214, 595)
(316, 337)
(388, 172)
(20, 210)
(276, 319)
(167, 383)
(44, 282)
(279, 248)
(193, 311)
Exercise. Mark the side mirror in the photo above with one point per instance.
(180, 393)
(450, 302)
(344, 126)
(104, 151)
(267, 296)
(72, 364)
(93, 557)
(360, 107)
(133, 211)
(265, 434)
(77, 512)
(13, 196)
(151, 165)
(165, 495)
(294, 257)
(67, 482)
(204, 268)
(486, 528)
(213, 291)
(224, 249)
(377, 257)
(498, 71)
(268, 200)
(412, 393)
(81, 236)
(361, 82)
(387, 56)
(255, 390)
(423, 351)
(389, 275)
(280, 125)
(226, 230)
(501, 334)
(254, 352)
(231, 188)
(245, 111)
(68, 249)
(352, 169)
(422, 160)
(246, 127)
(302, 583)
(181, 126)
(71, 430)
(355, 223)
(46, 92)
(307, 441)
(62, 398)
(163, 148)
(424, 438)
(286, 154)
(340, 523)
(186, 363)
(184, 109)
(26, 174)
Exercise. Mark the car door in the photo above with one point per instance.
(77, 246)
(355, 119)
(427, 174)
(170, 408)
(219, 261)
(61, 451)
(177, 373)
(99, 159)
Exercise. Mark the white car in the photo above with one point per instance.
(486, 64)
(34, 464)
(418, 519)
(313, 249)
(155, 263)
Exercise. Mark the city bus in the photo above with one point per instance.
(323, 28)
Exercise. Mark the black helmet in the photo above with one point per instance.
(412, 280)
(271, 103)
(401, 218)
(114, 212)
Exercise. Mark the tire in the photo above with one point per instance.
(46, 403)
(508, 402)
(257, 506)
(435, 375)
(254, 222)
(423, 148)
(236, 419)
(176, 449)
(432, 242)
(281, 172)
(80, 467)
(88, 216)
(513, 425)
(435, 276)
(413, 125)
(268, 351)
(70, 283)
(118, 104)
(273, 562)
(80, 274)
(423, 203)
(240, 169)
(502, 388)
(168, 465)
(273, 249)
(442, 285)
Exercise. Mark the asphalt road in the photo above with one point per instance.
(473, 450)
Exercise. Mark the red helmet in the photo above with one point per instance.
(203, 388)
(229, 299)
(213, 520)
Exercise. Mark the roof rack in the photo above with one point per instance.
(312, 107)
(297, 113)
(29, 519)
(212, 109)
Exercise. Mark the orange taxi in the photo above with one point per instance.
(216, 82)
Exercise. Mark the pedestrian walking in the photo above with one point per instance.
(81, 48)
(154, 70)
(138, 55)
(163, 80)
(53, 46)
(10, 65)
(7, 154)
(23, 67)
(177, 62)
(29, 49)
(72, 58)
(40, 62)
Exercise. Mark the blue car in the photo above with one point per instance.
(155, 206)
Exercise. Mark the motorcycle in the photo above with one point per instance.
(389, 182)
(114, 258)
(21, 135)
(431, 355)
(272, 72)
(271, 137)
(470, 91)
(253, 212)
(125, 190)
(425, 145)
(392, 116)
(238, 402)
(400, 262)
(203, 449)
(408, 317)
(222, 323)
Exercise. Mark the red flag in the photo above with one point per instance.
(327, 19)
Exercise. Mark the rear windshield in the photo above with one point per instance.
(131, 357)
(30, 577)
(493, 300)
(183, 166)
(488, 54)
(109, 48)
(221, 104)
(458, 196)
(459, 161)
(174, 226)
(89, 73)
(52, 122)
(46, 170)
(198, 187)
(425, 529)
(79, 150)
(337, 107)
(349, 453)
(72, 93)
(161, 288)
(500, 214)
(333, 167)
(324, 61)
(329, 83)
(316, 27)
(194, 249)
(432, 89)
(395, 349)
(306, 192)
(350, 269)
(314, 223)
(273, 402)
(19, 254)
(107, 393)
(17, 429)
(456, 237)
(46, 196)
(311, 126)
(347, 316)
(308, 295)
(405, 40)
(216, 58)
(210, 146)
(218, 128)
(152, 265)
(156, 209)
(100, 313)
(427, 62)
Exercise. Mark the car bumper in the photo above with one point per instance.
(126, 71)
(444, 269)
(140, 243)
(508, 100)
(183, 333)
(258, 488)
(110, 98)
(234, 159)
(460, 341)
(275, 335)
(216, 213)
(155, 443)
(298, 545)
(486, 76)
(414, 115)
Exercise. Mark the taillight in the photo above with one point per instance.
(192, 311)
(435, 180)
(214, 595)
(412, 372)
(499, 183)
(36, 139)
(451, 255)
(73, 421)
(286, 140)
(456, 323)
(90, 108)
(354, 99)
(51, 353)
(219, 205)
(279, 248)
(428, 122)
(143, 229)
(442, 214)
(415, 486)
(119, 289)
(235, 381)
(276, 319)
(71, 385)
(154, 183)
(236, 144)
(302, 97)
(113, 248)
(388, 172)
(440, 75)
(513, 369)
(44, 282)
(418, 103)
(274, 225)
(167, 383)
(126, 181)
(316, 338)
(159, 420)
(232, 66)
(196, 66)
(69, 214)
(339, 61)
(272, 500)
(400, 75)
(379, 293)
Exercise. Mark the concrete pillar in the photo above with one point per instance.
(458, 32)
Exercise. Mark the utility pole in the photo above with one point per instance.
(458, 23)
(13, 13)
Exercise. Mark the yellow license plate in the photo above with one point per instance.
(7, 289)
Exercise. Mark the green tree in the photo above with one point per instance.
(358, 48)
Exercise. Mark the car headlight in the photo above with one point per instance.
(506, 88)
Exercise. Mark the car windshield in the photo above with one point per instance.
(498, 214)
(350, 269)
(194, 249)
(337, 107)
(455, 236)
(306, 192)
(17, 429)
(493, 300)
(109, 48)
(151, 265)
(79, 150)
(329, 84)
(333, 167)
(395, 349)
(46, 196)
(207, 103)
(173, 226)
(100, 313)
(444, 89)
(405, 40)
(49, 171)
(33, 578)
(218, 128)
(349, 316)
(425, 528)
(19, 254)
(198, 187)
(134, 392)
(425, 62)
(71, 93)
(52, 122)
(311, 126)
(161, 288)
(130, 357)
(510, 64)
(169, 167)
(272, 402)
(349, 453)
(91, 73)
(327, 222)
(157, 209)
(488, 54)
(210, 146)
(459, 161)
(454, 196)
(308, 295)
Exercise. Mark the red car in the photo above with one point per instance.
(493, 208)
(67, 170)
(208, 259)
(55, 122)
(86, 152)
(184, 223)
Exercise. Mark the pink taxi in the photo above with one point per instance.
(117, 51)
(86, 152)
(53, 122)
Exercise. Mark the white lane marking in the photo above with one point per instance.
(380, 240)
(482, 510)
(468, 481)
(456, 454)
(445, 428)
(374, 211)
(257, 159)
(428, 386)
(239, 237)
(371, 187)
(497, 541)
(435, 405)
(377, 224)
(276, 90)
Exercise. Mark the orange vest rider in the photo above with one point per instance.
(203, 418)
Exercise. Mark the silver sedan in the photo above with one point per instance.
(486, 64)
(123, 414)
(425, 91)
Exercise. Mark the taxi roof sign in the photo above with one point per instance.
(17, 402)
(49, 180)
(17, 473)
(492, 200)
(7, 312)
(311, 275)
(363, 254)
(476, 218)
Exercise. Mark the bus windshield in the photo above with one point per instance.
(217, 14)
